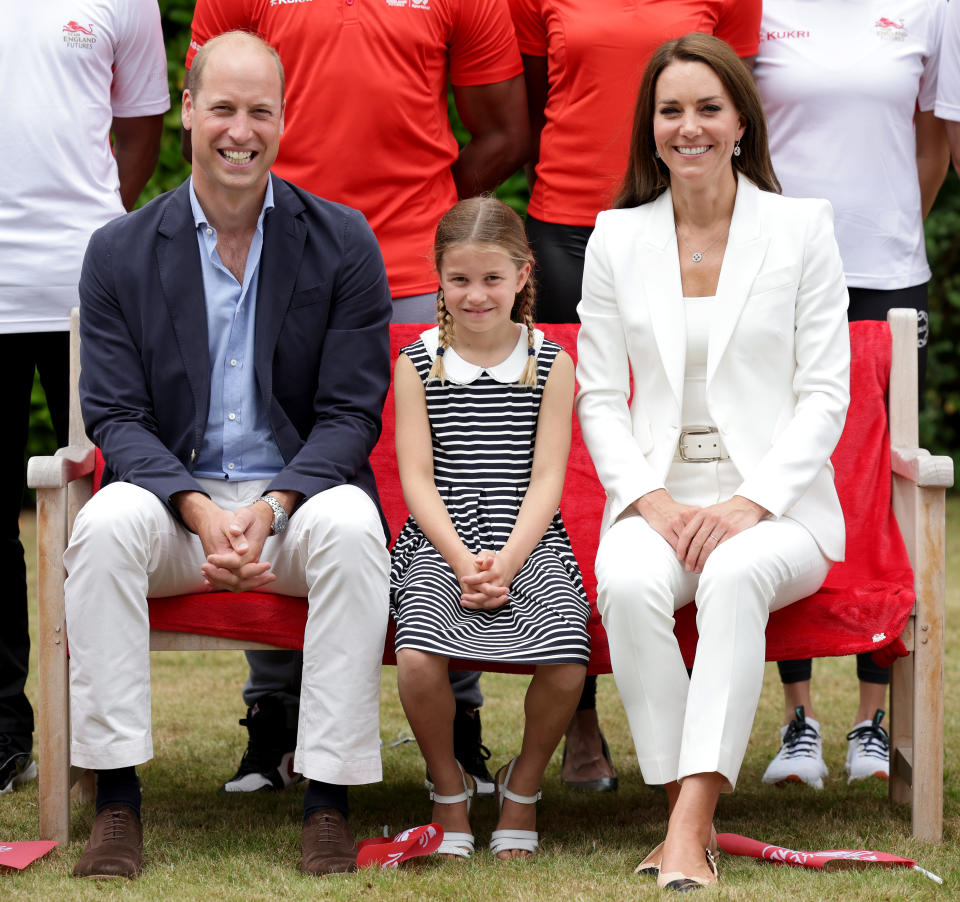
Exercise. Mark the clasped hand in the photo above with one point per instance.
(694, 532)
(485, 581)
(233, 542)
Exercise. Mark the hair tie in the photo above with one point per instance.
(440, 351)
(531, 352)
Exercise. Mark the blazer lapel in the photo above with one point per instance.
(181, 280)
(659, 271)
(284, 237)
(746, 247)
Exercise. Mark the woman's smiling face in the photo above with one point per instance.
(695, 123)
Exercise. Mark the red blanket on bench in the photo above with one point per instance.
(862, 606)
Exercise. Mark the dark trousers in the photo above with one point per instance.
(20, 355)
(558, 272)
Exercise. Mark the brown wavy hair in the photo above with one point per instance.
(487, 222)
(647, 176)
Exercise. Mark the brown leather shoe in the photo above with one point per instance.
(326, 844)
(115, 847)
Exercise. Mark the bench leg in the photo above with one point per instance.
(930, 581)
(53, 728)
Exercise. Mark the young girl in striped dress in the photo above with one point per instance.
(483, 568)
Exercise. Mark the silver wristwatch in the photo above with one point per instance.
(280, 518)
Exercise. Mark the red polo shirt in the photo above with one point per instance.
(366, 119)
(596, 52)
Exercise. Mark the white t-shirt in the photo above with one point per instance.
(948, 87)
(67, 68)
(840, 82)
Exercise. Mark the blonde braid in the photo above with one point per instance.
(445, 321)
(529, 375)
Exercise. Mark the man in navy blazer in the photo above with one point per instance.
(235, 359)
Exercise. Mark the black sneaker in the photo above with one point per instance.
(16, 764)
(472, 754)
(267, 764)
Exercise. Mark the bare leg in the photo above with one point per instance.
(428, 703)
(652, 861)
(691, 818)
(872, 696)
(551, 697)
(795, 694)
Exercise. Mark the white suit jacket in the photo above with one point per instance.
(778, 361)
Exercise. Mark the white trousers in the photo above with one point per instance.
(127, 546)
(698, 724)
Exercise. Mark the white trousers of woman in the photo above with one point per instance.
(126, 545)
(682, 724)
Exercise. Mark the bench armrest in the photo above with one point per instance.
(922, 468)
(56, 472)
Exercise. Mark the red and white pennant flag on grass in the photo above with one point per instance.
(828, 860)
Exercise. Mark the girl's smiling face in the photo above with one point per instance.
(695, 123)
(480, 285)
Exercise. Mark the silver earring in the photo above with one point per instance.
(736, 148)
(656, 154)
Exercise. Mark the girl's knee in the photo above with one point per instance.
(565, 678)
(415, 664)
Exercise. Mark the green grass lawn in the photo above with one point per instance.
(203, 845)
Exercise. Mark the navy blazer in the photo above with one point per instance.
(322, 346)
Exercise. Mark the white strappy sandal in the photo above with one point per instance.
(510, 840)
(460, 845)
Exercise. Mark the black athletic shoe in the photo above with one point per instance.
(470, 751)
(16, 764)
(472, 754)
(267, 764)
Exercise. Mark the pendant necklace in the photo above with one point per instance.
(697, 256)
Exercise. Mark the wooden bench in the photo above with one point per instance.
(862, 614)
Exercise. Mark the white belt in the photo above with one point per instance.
(701, 444)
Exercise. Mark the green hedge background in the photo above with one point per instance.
(940, 419)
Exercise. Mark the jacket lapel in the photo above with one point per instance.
(181, 281)
(659, 271)
(284, 236)
(746, 247)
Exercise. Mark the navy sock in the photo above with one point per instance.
(325, 795)
(119, 786)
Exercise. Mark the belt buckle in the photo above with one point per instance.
(696, 430)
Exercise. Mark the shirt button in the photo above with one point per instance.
(233, 362)
(231, 416)
(209, 231)
(231, 465)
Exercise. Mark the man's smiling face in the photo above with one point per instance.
(235, 117)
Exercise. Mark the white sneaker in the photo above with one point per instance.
(800, 759)
(868, 754)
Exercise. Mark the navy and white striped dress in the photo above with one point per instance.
(483, 427)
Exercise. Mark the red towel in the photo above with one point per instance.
(863, 605)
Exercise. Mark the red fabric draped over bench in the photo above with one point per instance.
(862, 606)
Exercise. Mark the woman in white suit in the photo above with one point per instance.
(726, 304)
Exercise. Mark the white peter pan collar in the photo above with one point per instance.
(463, 372)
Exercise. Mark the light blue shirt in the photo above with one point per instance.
(238, 442)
